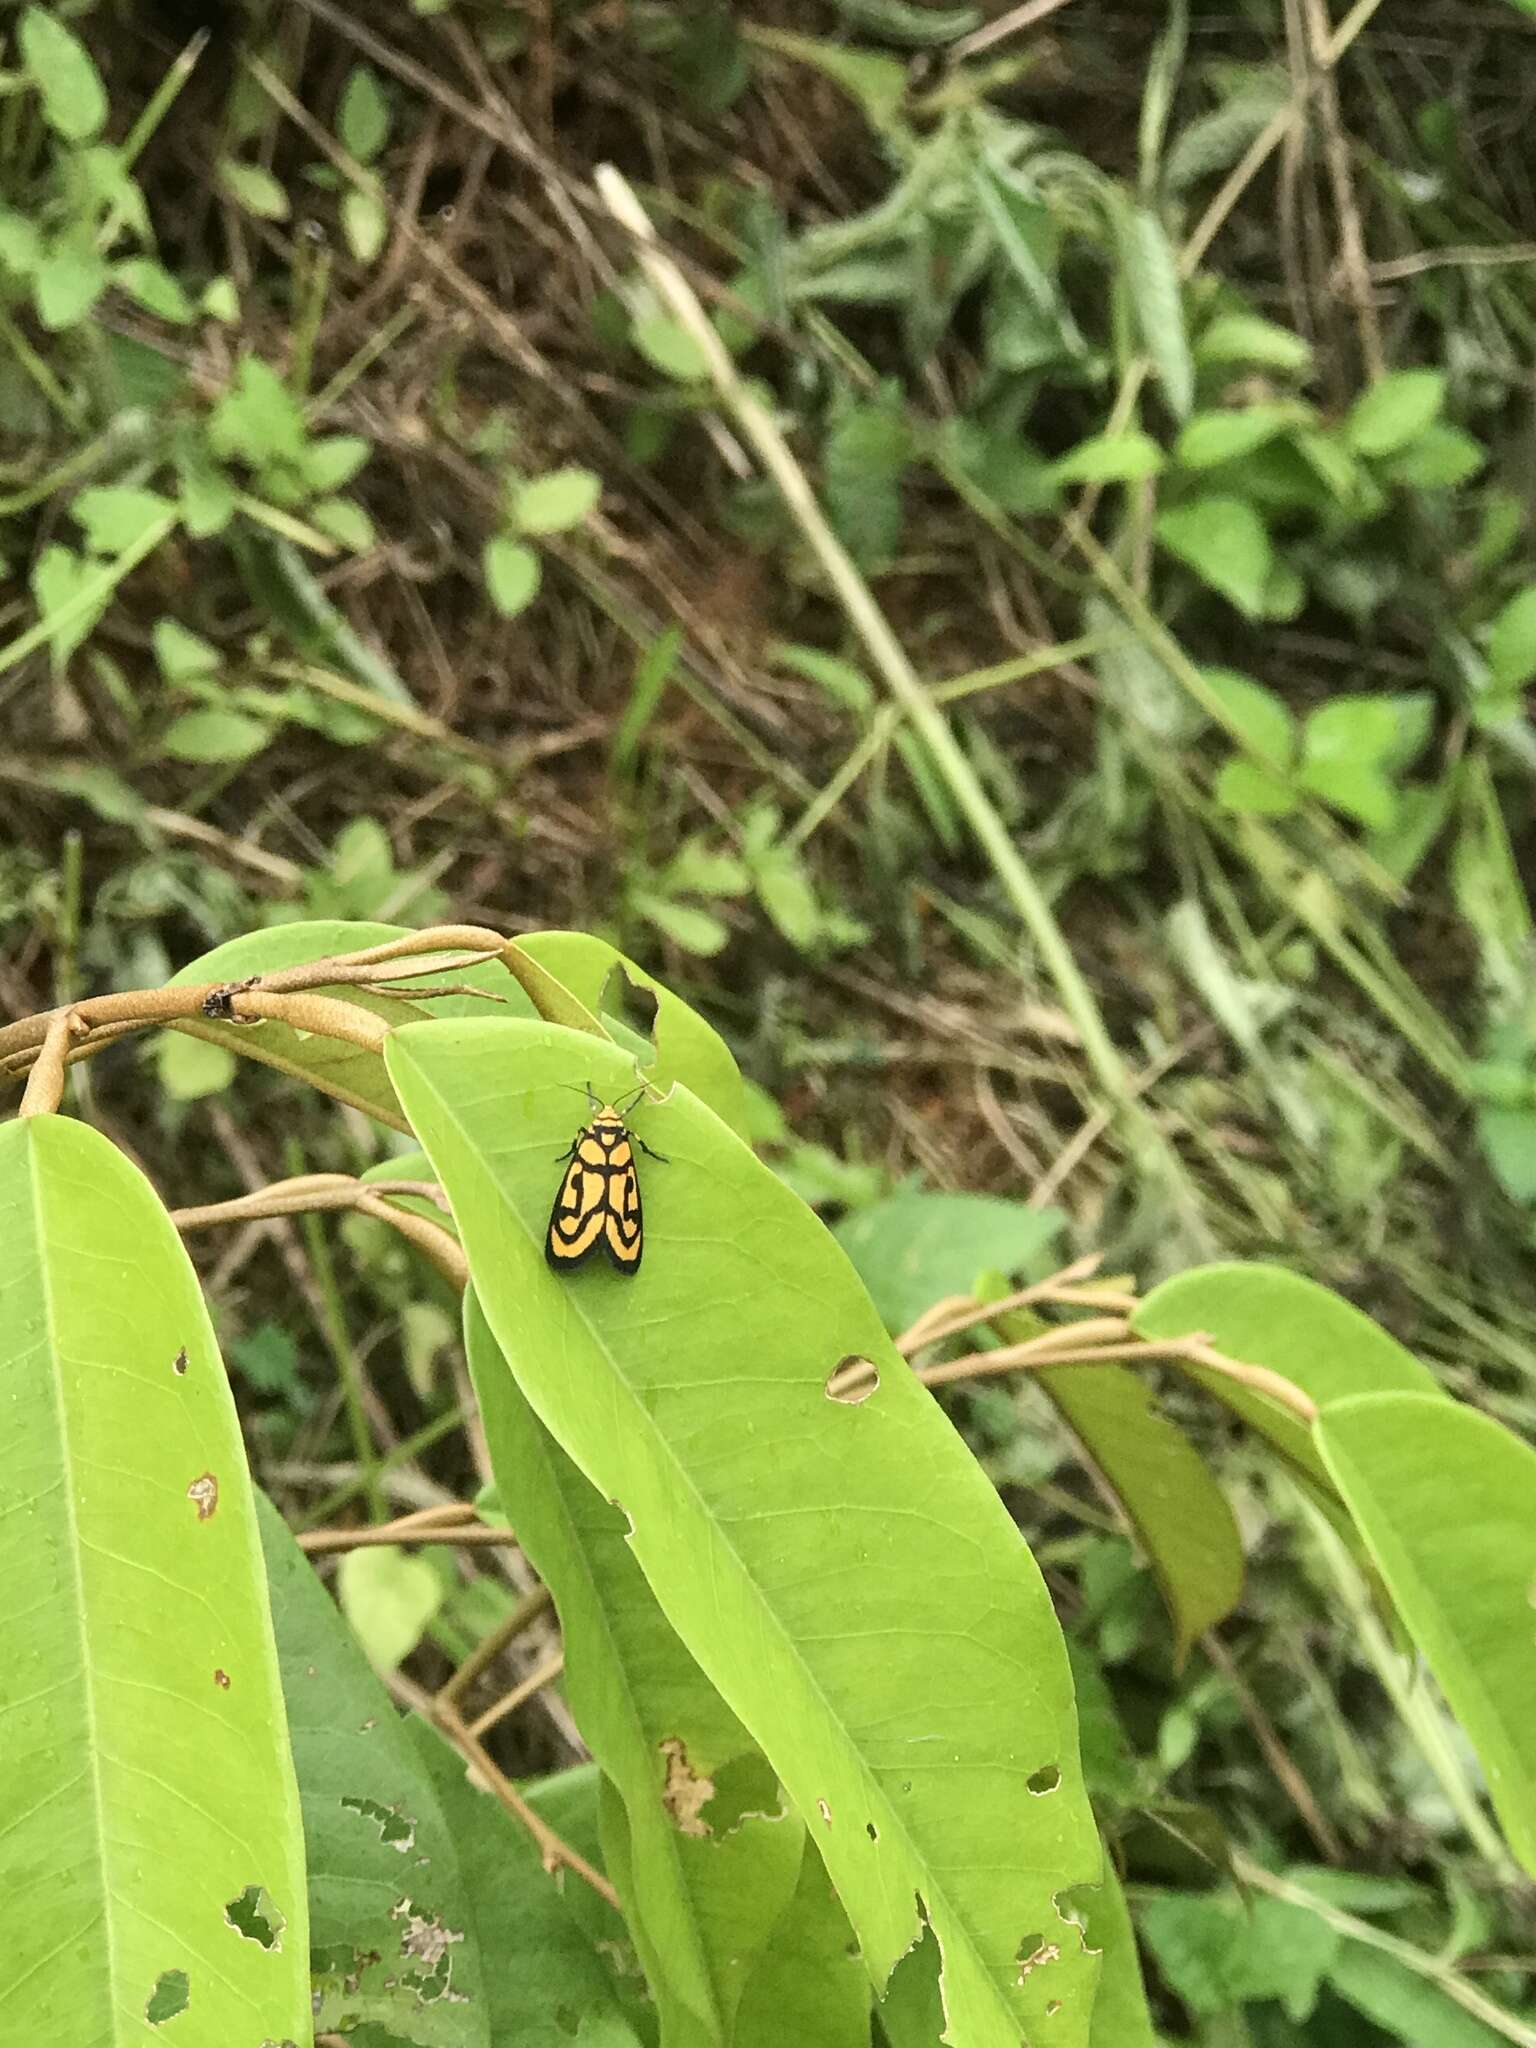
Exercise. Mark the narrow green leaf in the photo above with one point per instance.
(1404, 2003)
(626, 1373)
(702, 1899)
(1512, 643)
(148, 1787)
(346, 522)
(253, 189)
(62, 69)
(1125, 458)
(1443, 1496)
(214, 735)
(1246, 338)
(362, 119)
(1226, 544)
(155, 288)
(652, 674)
(1264, 1315)
(1150, 272)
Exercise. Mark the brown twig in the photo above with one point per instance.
(312, 1191)
(45, 1085)
(533, 1603)
(540, 1676)
(1276, 1755)
(334, 1542)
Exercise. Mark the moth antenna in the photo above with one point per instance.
(625, 1107)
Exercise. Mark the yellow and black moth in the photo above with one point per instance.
(598, 1206)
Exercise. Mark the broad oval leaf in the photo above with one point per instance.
(150, 1845)
(808, 1552)
(1265, 1315)
(1445, 1498)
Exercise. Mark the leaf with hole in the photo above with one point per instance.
(149, 1782)
(735, 1545)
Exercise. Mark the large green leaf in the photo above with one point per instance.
(1120, 2016)
(686, 1048)
(346, 1071)
(1446, 1501)
(1265, 1315)
(809, 1552)
(150, 1845)
(807, 1985)
(703, 1900)
(914, 1248)
(389, 1922)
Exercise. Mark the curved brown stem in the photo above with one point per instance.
(310, 1191)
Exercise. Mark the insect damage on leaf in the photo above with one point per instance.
(852, 1380)
(204, 1494)
(598, 1205)
(686, 1792)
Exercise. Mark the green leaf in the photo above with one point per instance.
(653, 672)
(206, 495)
(513, 573)
(670, 348)
(1255, 714)
(257, 418)
(1404, 2003)
(214, 734)
(1352, 728)
(786, 892)
(364, 222)
(180, 654)
(1397, 409)
(1212, 438)
(556, 502)
(1234, 338)
(1226, 544)
(1512, 643)
(21, 246)
(331, 463)
(376, 1832)
(626, 1375)
(696, 930)
(189, 1068)
(60, 579)
(1120, 2015)
(389, 1599)
(253, 189)
(362, 119)
(148, 1785)
(685, 1048)
(841, 683)
(1253, 791)
(867, 450)
(1264, 1315)
(1219, 1951)
(60, 66)
(341, 1070)
(114, 518)
(345, 521)
(1442, 1495)
(1355, 788)
(155, 289)
(67, 284)
(1179, 1513)
(1150, 273)
(702, 1899)
(875, 81)
(915, 1247)
(1438, 460)
(1124, 458)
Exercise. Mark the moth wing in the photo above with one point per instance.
(623, 1224)
(577, 1219)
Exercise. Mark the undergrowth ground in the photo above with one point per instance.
(379, 544)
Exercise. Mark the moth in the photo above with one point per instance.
(598, 1206)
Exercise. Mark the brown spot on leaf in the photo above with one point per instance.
(1034, 1953)
(686, 1792)
(221, 1680)
(852, 1380)
(426, 1936)
(179, 1362)
(825, 1811)
(204, 1493)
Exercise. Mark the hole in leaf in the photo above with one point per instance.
(1053, 2008)
(396, 1830)
(221, 1680)
(746, 1788)
(171, 1995)
(686, 1792)
(872, 1831)
(1034, 1953)
(825, 1811)
(1046, 1779)
(254, 1916)
(204, 1495)
(632, 1004)
(179, 1362)
(852, 1380)
(427, 1938)
(1074, 1907)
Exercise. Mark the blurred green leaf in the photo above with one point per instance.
(67, 283)
(215, 734)
(115, 517)
(389, 1598)
(362, 118)
(1512, 643)
(697, 931)
(1110, 459)
(1355, 788)
(1254, 791)
(1211, 438)
(556, 502)
(914, 1248)
(257, 418)
(1151, 275)
(670, 349)
(364, 222)
(155, 288)
(1409, 2007)
(1218, 1950)
(1226, 544)
(181, 654)
(513, 573)
(1438, 460)
(189, 1069)
(253, 189)
(1246, 338)
(1260, 718)
(59, 65)
(1396, 410)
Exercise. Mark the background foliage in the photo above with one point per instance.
(374, 550)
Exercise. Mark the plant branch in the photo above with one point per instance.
(306, 1192)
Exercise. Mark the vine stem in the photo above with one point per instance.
(896, 670)
(310, 1191)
